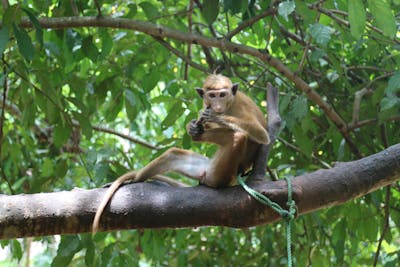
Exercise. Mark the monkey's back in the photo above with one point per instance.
(248, 111)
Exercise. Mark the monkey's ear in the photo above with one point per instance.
(200, 91)
(235, 87)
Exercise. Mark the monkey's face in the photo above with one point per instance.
(218, 93)
(218, 100)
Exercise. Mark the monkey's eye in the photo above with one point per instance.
(222, 95)
(211, 95)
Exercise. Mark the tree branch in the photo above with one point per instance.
(274, 125)
(162, 31)
(179, 54)
(357, 104)
(148, 205)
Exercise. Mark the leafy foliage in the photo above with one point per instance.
(62, 84)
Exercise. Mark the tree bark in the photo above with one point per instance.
(153, 205)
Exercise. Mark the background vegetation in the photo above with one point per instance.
(68, 92)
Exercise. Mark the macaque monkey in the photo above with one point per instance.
(230, 120)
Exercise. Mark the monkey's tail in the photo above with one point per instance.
(110, 192)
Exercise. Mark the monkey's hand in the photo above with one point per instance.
(196, 128)
(212, 119)
(209, 115)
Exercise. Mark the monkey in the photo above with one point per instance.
(230, 120)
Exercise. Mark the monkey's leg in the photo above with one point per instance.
(182, 161)
(225, 164)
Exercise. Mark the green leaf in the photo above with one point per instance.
(393, 84)
(286, 8)
(90, 254)
(114, 107)
(61, 134)
(84, 123)
(341, 150)
(61, 169)
(91, 157)
(67, 248)
(101, 170)
(234, 6)
(12, 15)
(47, 168)
(16, 249)
(24, 42)
(106, 43)
(320, 33)
(299, 107)
(389, 102)
(210, 11)
(132, 10)
(338, 239)
(174, 113)
(151, 80)
(130, 97)
(36, 24)
(357, 17)
(132, 105)
(4, 37)
(89, 49)
(150, 10)
(303, 141)
(384, 17)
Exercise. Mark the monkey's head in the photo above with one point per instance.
(218, 92)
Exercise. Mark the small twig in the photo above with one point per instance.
(179, 54)
(357, 103)
(371, 121)
(125, 136)
(384, 136)
(249, 22)
(14, 110)
(74, 7)
(295, 148)
(268, 37)
(307, 46)
(189, 49)
(304, 56)
(3, 104)
(6, 4)
(2, 119)
(385, 225)
(367, 68)
(98, 7)
(344, 22)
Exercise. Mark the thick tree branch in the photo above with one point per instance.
(224, 44)
(147, 205)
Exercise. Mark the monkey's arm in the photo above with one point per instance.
(209, 132)
(251, 127)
